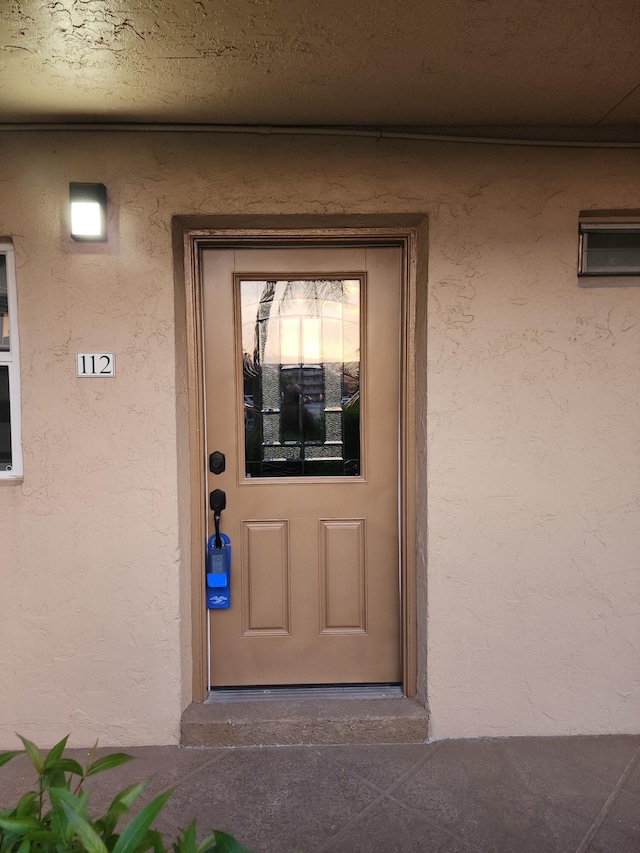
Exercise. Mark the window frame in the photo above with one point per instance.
(600, 222)
(11, 360)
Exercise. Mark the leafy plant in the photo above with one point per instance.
(54, 818)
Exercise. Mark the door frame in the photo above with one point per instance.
(192, 234)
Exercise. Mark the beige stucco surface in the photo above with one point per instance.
(321, 62)
(529, 474)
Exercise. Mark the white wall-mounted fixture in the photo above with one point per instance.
(88, 211)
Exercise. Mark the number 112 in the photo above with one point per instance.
(95, 364)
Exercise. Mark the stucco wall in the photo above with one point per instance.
(531, 464)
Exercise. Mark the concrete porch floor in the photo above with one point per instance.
(516, 795)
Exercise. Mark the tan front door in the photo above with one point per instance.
(302, 397)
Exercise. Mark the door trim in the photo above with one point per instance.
(190, 235)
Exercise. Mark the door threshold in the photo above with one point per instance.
(304, 691)
(310, 719)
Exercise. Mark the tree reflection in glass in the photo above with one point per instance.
(301, 369)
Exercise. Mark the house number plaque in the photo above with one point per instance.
(95, 364)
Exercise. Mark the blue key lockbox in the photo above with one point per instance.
(218, 573)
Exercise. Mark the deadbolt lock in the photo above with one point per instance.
(217, 462)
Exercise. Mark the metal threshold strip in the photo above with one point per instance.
(304, 691)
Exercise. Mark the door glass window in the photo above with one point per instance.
(301, 376)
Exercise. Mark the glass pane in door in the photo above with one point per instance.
(301, 376)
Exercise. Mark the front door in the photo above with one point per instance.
(302, 363)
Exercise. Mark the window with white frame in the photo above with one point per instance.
(10, 444)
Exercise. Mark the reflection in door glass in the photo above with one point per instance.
(301, 369)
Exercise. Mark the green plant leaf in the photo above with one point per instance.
(64, 765)
(55, 753)
(81, 827)
(57, 818)
(221, 842)
(225, 843)
(53, 779)
(28, 803)
(19, 825)
(135, 831)
(35, 756)
(107, 762)
(66, 827)
(127, 795)
(155, 839)
(46, 839)
(120, 805)
(7, 756)
(186, 841)
(60, 796)
(208, 844)
(54, 775)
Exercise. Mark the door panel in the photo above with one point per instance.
(343, 576)
(301, 380)
(266, 579)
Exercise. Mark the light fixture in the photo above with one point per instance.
(88, 211)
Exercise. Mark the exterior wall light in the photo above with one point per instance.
(88, 212)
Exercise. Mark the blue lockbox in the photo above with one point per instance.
(218, 573)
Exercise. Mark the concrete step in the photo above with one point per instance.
(306, 720)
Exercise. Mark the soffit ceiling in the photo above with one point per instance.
(398, 63)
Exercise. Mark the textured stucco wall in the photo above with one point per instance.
(529, 474)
